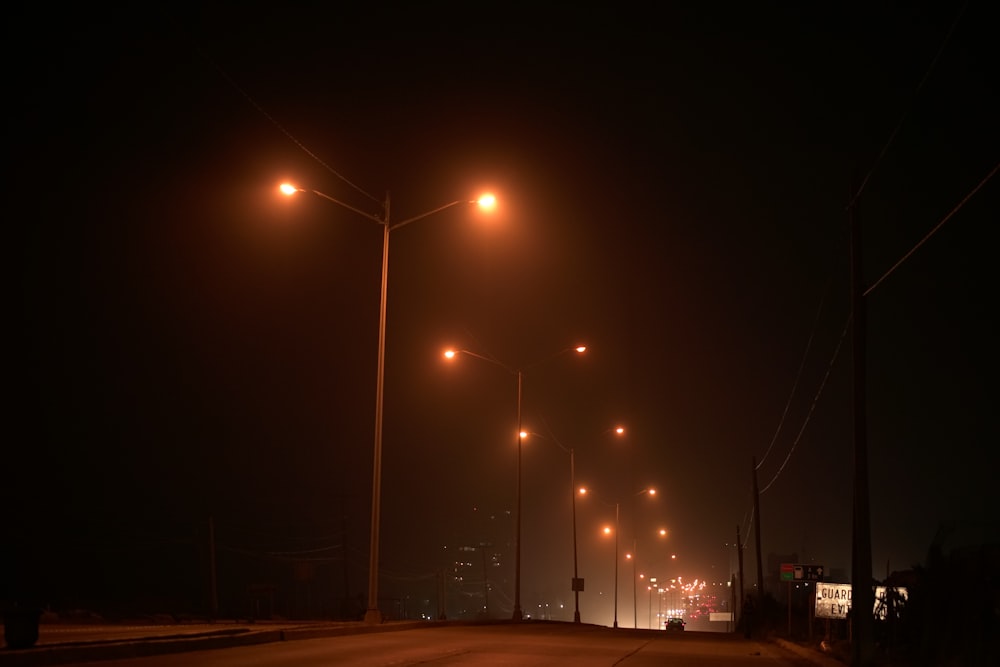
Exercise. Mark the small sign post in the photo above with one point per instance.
(798, 572)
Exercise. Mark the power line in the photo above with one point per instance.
(935, 229)
(812, 407)
(798, 375)
(861, 188)
(749, 523)
(288, 134)
(909, 106)
(802, 429)
(253, 102)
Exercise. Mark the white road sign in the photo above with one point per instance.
(834, 600)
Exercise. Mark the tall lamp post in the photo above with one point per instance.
(630, 556)
(649, 611)
(662, 532)
(520, 435)
(617, 531)
(607, 530)
(373, 615)
(572, 489)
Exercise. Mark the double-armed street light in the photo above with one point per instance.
(617, 529)
(486, 202)
(619, 431)
(662, 532)
(649, 612)
(520, 435)
(577, 583)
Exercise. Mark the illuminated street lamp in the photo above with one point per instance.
(576, 584)
(486, 202)
(607, 531)
(630, 556)
(649, 612)
(662, 532)
(520, 435)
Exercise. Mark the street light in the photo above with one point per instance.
(662, 532)
(486, 202)
(520, 435)
(649, 611)
(607, 530)
(631, 557)
(576, 583)
(619, 431)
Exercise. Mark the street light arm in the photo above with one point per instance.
(370, 216)
(489, 359)
(554, 440)
(590, 492)
(397, 225)
(579, 349)
(587, 491)
(486, 201)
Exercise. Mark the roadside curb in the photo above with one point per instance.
(62, 655)
(809, 654)
(43, 656)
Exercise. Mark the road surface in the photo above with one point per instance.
(521, 645)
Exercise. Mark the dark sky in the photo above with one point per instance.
(673, 186)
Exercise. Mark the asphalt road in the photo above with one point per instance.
(522, 644)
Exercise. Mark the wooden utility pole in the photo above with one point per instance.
(486, 579)
(213, 587)
(442, 595)
(862, 595)
(739, 560)
(756, 531)
(345, 573)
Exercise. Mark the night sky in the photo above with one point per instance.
(673, 187)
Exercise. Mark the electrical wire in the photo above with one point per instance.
(413, 577)
(909, 106)
(935, 229)
(302, 552)
(263, 556)
(746, 539)
(812, 407)
(798, 375)
(256, 105)
(854, 199)
(288, 134)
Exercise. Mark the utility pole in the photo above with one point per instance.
(739, 559)
(344, 568)
(442, 596)
(862, 596)
(517, 615)
(577, 587)
(756, 531)
(486, 579)
(635, 614)
(213, 591)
